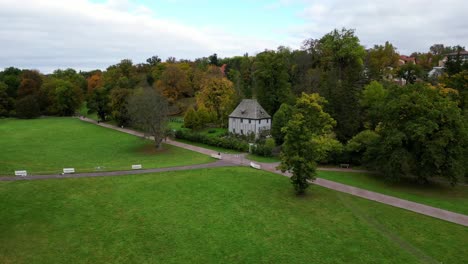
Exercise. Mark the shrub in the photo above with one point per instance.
(265, 149)
(223, 142)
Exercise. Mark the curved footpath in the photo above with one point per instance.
(240, 160)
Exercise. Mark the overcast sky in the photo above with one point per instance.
(93, 34)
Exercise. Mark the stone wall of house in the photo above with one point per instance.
(245, 126)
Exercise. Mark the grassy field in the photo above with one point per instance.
(47, 145)
(224, 215)
(435, 194)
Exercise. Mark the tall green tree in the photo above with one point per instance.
(280, 120)
(271, 80)
(309, 129)
(422, 135)
(98, 102)
(6, 102)
(342, 78)
(410, 72)
(372, 100)
(381, 60)
(60, 97)
(118, 105)
(11, 76)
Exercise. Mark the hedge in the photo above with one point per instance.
(223, 142)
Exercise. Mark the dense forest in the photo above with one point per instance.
(387, 110)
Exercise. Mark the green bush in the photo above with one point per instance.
(222, 142)
(265, 149)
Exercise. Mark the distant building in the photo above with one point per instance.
(249, 117)
(436, 72)
(453, 56)
(405, 60)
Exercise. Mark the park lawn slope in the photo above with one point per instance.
(223, 215)
(434, 194)
(46, 145)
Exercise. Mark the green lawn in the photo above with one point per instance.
(435, 194)
(224, 215)
(47, 145)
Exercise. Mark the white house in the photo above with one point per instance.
(249, 117)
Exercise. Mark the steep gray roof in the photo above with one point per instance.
(249, 108)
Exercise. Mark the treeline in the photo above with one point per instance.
(336, 66)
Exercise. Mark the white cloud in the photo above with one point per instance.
(411, 25)
(51, 34)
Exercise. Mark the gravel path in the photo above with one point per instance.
(219, 163)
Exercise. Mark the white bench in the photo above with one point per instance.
(21, 173)
(255, 166)
(137, 167)
(216, 156)
(344, 165)
(68, 170)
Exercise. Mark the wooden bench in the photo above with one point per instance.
(216, 156)
(68, 170)
(344, 165)
(137, 167)
(255, 166)
(21, 173)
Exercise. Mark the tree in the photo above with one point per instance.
(71, 76)
(270, 74)
(93, 82)
(118, 106)
(68, 97)
(381, 61)
(27, 107)
(455, 65)
(410, 72)
(214, 59)
(309, 127)
(31, 82)
(153, 61)
(422, 135)
(342, 65)
(280, 120)
(203, 116)
(12, 78)
(459, 82)
(371, 100)
(122, 75)
(217, 95)
(174, 82)
(98, 102)
(6, 102)
(148, 111)
(190, 118)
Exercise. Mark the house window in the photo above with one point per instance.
(242, 132)
(249, 121)
(242, 120)
(234, 130)
(260, 121)
(268, 120)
